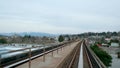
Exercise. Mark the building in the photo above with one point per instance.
(115, 44)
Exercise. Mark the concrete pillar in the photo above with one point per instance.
(52, 51)
(30, 58)
(44, 54)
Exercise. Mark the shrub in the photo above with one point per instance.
(3, 41)
(103, 55)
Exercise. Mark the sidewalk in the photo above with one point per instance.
(50, 61)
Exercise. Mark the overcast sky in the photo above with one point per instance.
(59, 16)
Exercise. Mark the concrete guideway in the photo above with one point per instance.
(72, 55)
(50, 61)
(71, 60)
(90, 60)
(80, 64)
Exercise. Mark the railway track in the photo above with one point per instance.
(90, 59)
(71, 61)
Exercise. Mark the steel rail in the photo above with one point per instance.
(74, 56)
(93, 61)
(88, 58)
(70, 60)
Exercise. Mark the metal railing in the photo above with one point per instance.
(28, 55)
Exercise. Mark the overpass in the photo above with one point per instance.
(73, 54)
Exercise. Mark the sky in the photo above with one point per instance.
(59, 16)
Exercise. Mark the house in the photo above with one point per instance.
(105, 45)
(99, 45)
(115, 44)
(107, 40)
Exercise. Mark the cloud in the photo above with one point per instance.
(63, 16)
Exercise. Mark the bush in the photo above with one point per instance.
(103, 55)
(3, 41)
(114, 40)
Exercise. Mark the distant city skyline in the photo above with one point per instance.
(59, 16)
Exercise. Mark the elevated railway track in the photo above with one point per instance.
(80, 57)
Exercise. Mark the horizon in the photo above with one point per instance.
(56, 33)
(59, 17)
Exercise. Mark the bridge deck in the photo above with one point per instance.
(50, 61)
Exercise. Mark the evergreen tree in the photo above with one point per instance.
(61, 38)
